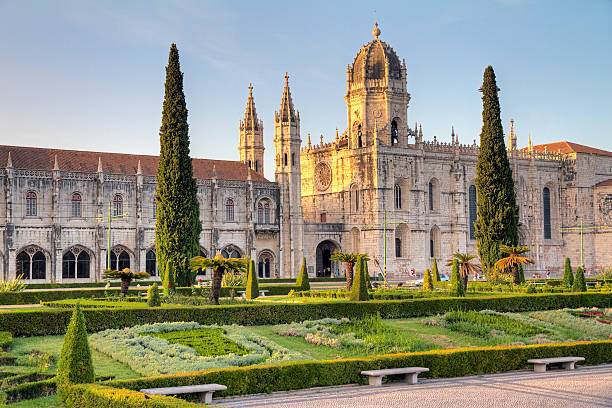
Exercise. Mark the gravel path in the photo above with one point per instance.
(584, 387)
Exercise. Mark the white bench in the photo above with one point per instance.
(539, 364)
(204, 391)
(242, 293)
(411, 374)
(263, 292)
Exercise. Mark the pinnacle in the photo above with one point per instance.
(250, 115)
(287, 112)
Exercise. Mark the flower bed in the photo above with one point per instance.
(483, 324)
(149, 355)
(566, 318)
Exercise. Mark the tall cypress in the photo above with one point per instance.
(178, 226)
(497, 221)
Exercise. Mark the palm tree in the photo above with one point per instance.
(513, 260)
(466, 266)
(349, 260)
(220, 266)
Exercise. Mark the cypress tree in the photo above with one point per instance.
(359, 291)
(579, 284)
(568, 275)
(178, 227)
(302, 281)
(456, 281)
(428, 284)
(521, 274)
(75, 365)
(436, 274)
(497, 220)
(169, 278)
(252, 288)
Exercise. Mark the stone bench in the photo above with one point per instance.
(242, 293)
(411, 374)
(539, 364)
(204, 391)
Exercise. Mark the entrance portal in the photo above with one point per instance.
(325, 266)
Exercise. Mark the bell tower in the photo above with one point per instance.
(251, 147)
(287, 144)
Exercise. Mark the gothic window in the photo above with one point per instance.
(359, 139)
(546, 205)
(472, 211)
(267, 212)
(431, 200)
(398, 196)
(83, 263)
(31, 263)
(401, 241)
(257, 166)
(151, 263)
(264, 265)
(75, 264)
(260, 216)
(203, 255)
(293, 159)
(434, 242)
(434, 195)
(120, 259)
(76, 205)
(230, 252)
(285, 159)
(394, 133)
(31, 200)
(354, 198)
(398, 247)
(229, 210)
(68, 266)
(117, 205)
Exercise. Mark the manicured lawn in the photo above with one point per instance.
(51, 401)
(287, 299)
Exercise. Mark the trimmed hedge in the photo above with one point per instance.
(34, 297)
(42, 322)
(7, 359)
(6, 339)
(99, 396)
(30, 390)
(307, 374)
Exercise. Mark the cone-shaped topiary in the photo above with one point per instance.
(456, 281)
(579, 284)
(367, 274)
(521, 274)
(359, 291)
(434, 268)
(177, 227)
(168, 278)
(428, 284)
(153, 298)
(75, 365)
(302, 281)
(252, 288)
(568, 275)
(497, 218)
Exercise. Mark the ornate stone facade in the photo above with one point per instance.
(377, 188)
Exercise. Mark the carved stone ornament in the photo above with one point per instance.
(605, 206)
(323, 176)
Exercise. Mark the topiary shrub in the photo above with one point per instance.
(252, 286)
(521, 274)
(302, 281)
(75, 365)
(568, 275)
(359, 291)
(153, 298)
(456, 288)
(169, 281)
(428, 284)
(434, 268)
(579, 284)
(531, 289)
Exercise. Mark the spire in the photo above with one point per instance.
(287, 113)
(99, 164)
(9, 162)
(376, 30)
(139, 170)
(421, 132)
(453, 135)
(309, 145)
(337, 138)
(250, 115)
(529, 143)
(321, 139)
(55, 164)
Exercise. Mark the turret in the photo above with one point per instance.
(251, 146)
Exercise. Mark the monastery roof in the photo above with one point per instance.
(375, 59)
(569, 148)
(606, 183)
(36, 158)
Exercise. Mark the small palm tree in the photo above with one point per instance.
(466, 266)
(349, 260)
(220, 266)
(513, 260)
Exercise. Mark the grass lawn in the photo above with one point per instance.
(103, 365)
(287, 299)
(52, 401)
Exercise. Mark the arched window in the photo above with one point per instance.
(359, 139)
(230, 252)
(68, 266)
(117, 205)
(31, 200)
(257, 166)
(398, 247)
(120, 259)
(473, 214)
(431, 196)
(398, 196)
(76, 205)
(354, 198)
(394, 133)
(83, 263)
(203, 255)
(434, 242)
(546, 208)
(434, 195)
(293, 159)
(401, 241)
(229, 210)
(260, 216)
(31, 263)
(267, 212)
(151, 263)
(285, 159)
(263, 211)
(264, 265)
(75, 264)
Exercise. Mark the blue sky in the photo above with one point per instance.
(89, 74)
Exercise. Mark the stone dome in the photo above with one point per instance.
(373, 58)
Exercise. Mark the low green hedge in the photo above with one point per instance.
(99, 396)
(35, 297)
(6, 339)
(307, 374)
(42, 322)
(30, 390)
(7, 359)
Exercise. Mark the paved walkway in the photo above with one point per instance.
(584, 387)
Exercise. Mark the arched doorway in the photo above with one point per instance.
(325, 266)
